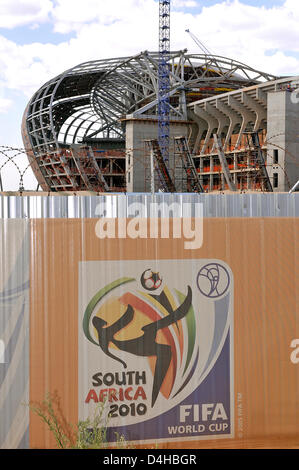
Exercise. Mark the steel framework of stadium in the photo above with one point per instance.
(89, 101)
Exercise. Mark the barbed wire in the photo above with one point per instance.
(16, 172)
(15, 162)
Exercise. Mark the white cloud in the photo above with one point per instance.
(21, 12)
(246, 33)
(28, 66)
(184, 4)
(72, 15)
(116, 28)
(5, 104)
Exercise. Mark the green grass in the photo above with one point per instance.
(88, 434)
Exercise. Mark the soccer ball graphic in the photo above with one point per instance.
(150, 280)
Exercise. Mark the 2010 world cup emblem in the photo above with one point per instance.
(156, 348)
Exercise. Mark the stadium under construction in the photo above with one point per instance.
(149, 287)
(231, 127)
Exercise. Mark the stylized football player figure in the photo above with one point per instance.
(146, 344)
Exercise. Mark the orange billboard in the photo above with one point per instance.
(186, 348)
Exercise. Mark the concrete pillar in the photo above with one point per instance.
(138, 130)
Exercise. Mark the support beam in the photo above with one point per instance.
(202, 126)
(224, 164)
(260, 111)
(247, 116)
(294, 188)
(104, 186)
(234, 119)
(223, 120)
(212, 124)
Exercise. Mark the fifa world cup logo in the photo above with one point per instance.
(145, 345)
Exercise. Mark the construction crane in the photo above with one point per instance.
(163, 78)
(199, 43)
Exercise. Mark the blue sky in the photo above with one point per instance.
(256, 3)
(43, 33)
(41, 38)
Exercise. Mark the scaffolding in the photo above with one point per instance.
(259, 161)
(85, 168)
(189, 172)
(236, 168)
(165, 180)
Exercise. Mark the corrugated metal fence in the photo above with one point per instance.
(21, 239)
(118, 205)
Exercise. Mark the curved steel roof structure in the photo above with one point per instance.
(87, 103)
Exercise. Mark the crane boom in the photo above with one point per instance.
(199, 43)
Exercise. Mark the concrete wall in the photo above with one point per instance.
(138, 155)
(283, 137)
